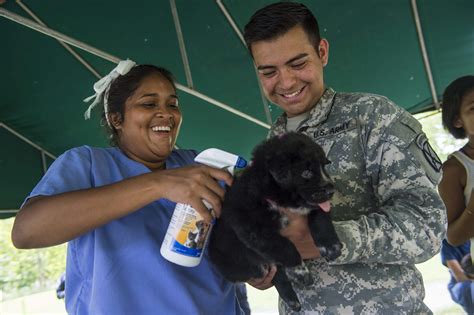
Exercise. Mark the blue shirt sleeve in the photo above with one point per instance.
(69, 172)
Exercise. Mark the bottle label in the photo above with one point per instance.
(190, 232)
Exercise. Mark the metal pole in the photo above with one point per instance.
(34, 145)
(237, 31)
(9, 211)
(43, 162)
(424, 53)
(57, 35)
(222, 105)
(231, 21)
(182, 46)
(69, 49)
(47, 31)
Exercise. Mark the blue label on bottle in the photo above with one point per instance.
(181, 249)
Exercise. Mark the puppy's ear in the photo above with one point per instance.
(282, 176)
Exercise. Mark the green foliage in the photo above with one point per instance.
(27, 271)
(441, 140)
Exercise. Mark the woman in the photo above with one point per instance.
(113, 206)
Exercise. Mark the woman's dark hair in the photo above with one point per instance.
(452, 99)
(276, 19)
(124, 86)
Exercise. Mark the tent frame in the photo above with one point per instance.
(44, 154)
(66, 41)
(104, 55)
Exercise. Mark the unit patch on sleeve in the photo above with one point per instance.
(430, 155)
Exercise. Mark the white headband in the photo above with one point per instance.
(102, 86)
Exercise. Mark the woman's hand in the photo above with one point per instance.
(299, 234)
(264, 282)
(193, 184)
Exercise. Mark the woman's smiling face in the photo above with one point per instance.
(152, 119)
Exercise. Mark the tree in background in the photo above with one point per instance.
(24, 272)
(443, 143)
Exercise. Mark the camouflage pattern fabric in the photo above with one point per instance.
(386, 208)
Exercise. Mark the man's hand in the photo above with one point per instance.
(266, 281)
(298, 233)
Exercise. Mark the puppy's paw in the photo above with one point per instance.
(302, 275)
(331, 252)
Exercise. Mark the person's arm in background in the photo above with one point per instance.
(457, 270)
(451, 189)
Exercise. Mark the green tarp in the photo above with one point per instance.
(374, 47)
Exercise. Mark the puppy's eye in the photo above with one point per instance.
(307, 174)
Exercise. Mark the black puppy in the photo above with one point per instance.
(286, 171)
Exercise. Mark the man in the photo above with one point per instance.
(386, 209)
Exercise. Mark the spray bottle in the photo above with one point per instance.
(187, 233)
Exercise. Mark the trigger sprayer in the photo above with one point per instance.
(187, 233)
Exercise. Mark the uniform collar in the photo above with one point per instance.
(318, 114)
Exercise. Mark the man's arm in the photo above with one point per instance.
(457, 271)
(410, 221)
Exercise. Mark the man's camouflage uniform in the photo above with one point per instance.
(386, 208)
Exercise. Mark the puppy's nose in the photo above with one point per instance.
(325, 191)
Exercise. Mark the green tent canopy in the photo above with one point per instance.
(406, 50)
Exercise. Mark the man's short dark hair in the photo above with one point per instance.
(276, 19)
(452, 99)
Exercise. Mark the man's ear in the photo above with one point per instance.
(115, 120)
(323, 51)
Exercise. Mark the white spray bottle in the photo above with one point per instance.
(187, 233)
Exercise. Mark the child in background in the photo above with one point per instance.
(456, 188)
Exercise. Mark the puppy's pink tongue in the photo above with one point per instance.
(325, 206)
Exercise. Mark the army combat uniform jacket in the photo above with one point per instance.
(386, 208)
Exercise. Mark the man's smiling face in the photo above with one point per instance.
(290, 70)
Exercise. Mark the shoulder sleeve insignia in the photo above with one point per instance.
(430, 155)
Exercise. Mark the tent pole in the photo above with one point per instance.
(424, 53)
(57, 35)
(222, 105)
(9, 211)
(237, 31)
(43, 162)
(182, 46)
(52, 33)
(231, 22)
(66, 46)
(34, 145)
